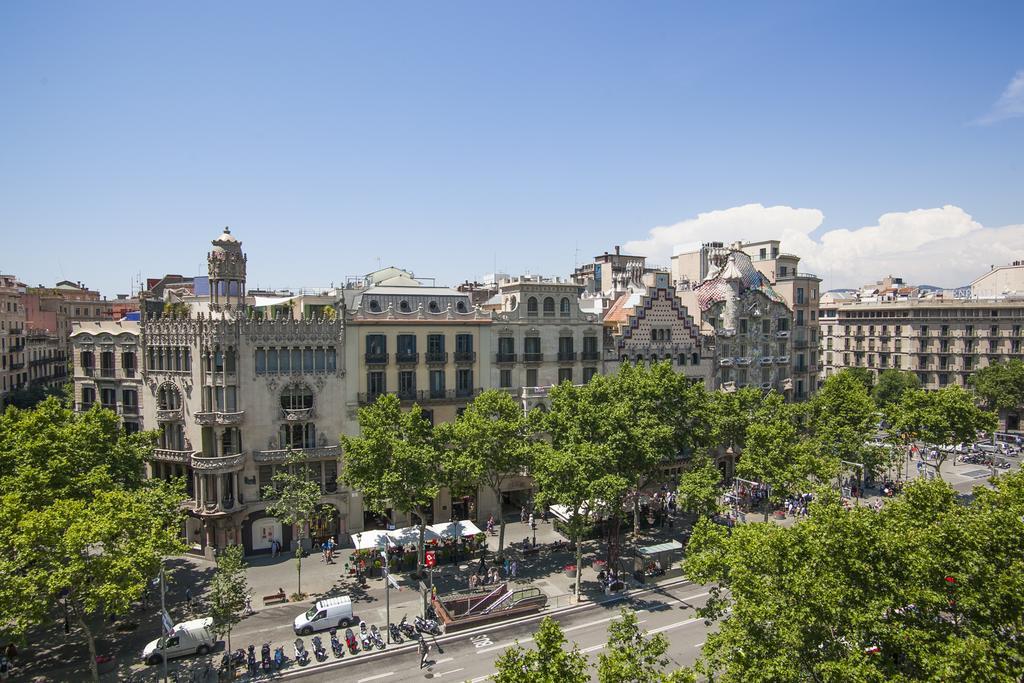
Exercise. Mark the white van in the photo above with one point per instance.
(187, 638)
(325, 614)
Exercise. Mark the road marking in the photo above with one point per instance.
(675, 625)
(482, 640)
(442, 661)
(699, 644)
(593, 648)
(373, 678)
(450, 672)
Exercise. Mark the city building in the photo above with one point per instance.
(940, 335)
(106, 370)
(747, 323)
(613, 272)
(47, 360)
(13, 370)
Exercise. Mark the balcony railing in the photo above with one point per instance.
(376, 358)
(533, 357)
(589, 355)
(171, 455)
(169, 414)
(280, 455)
(108, 372)
(297, 414)
(565, 356)
(407, 357)
(127, 409)
(128, 372)
(222, 463)
(506, 358)
(423, 395)
(16, 366)
(437, 356)
(88, 370)
(465, 356)
(407, 394)
(219, 418)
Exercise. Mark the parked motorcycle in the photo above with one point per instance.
(279, 658)
(396, 634)
(407, 629)
(427, 626)
(350, 641)
(364, 637)
(336, 647)
(301, 654)
(318, 649)
(253, 665)
(265, 661)
(376, 637)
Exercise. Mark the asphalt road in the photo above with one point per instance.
(471, 656)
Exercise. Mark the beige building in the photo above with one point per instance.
(106, 370)
(1000, 281)
(938, 336)
(14, 372)
(47, 360)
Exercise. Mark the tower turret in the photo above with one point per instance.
(227, 272)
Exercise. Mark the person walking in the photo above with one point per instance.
(522, 515)
(514, 568)
(424, 651)
(533, 522)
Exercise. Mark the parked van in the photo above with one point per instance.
(325, 614)
(187, 638)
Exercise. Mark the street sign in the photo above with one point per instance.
(429, 558)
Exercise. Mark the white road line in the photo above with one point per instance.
(450, 672)
(699, 644)
(480, 678)
(373, 678)
(442, 661)
(675, 625)
(673, 601)
(593, 648)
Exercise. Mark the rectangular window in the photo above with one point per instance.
(332, 360)
(272, 361)
(318, 359)
(284, 361)
(743, 325)
(463, 343)
(130, 401)
(799, 295)
(800, 318)
(376, 344)
(437, 384)
(406, 383)
(531, 345)
(766, 327)
(406, 345)
(505, 381)
(261, 361)
(307, 360)
(109, 398)
(531, 377)
(564, 345)
(375, 385)
(506, 346)
(296, 360)
(564, 375)
(588, 373)
(435, 343)
(464, 382)
(590, 346)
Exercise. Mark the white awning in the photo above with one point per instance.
(263, 301)
(410, 535)
(463, 528)
(366, 540)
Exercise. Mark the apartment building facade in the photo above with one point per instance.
(106, 370)
(14, 371)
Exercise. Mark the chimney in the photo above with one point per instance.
(616, 250)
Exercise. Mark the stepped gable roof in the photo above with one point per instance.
(738, 268)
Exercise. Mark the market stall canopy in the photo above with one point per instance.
(461, 528)
(367, 540)
(660, 548)
(410, 535)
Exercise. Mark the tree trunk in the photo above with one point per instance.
(91, 640)
(578, 540)
(636, 518)
(423, 532)
(501, 525)
(231, 663)
(298, 561)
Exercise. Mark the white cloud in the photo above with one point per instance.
(940, 246)
(1009, 105)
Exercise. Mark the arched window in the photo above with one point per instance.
(564, 306)
(374, 306)
(168, 397)
(403, 306)
(531, 306)
(694, 359)
(549, 306)
(512, 302)
(461, 307)
(434, 308)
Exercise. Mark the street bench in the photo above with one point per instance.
(532, 550)
(277, 597)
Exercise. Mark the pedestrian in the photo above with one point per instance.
(188, 596)
(424, 651)
(533, 523)
(522, 515)
(11, 653)
(515, 568)
(504, 566)
(482, 567)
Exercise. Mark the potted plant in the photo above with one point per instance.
(570, 571)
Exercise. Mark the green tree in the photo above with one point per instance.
(294, 501)
(732, 413)
(842, 419)
(396, 462)
(862, 375)
(549, 663)
(926, 589)
(891, 385)
(646, 416)
(228, 590)
(577, 478)
(177, 309)
(632, 656)
(1000, 385)
(97, 554)
(700, 487)
(944, 417)
(491, 441)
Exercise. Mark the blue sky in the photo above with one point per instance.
(447, 137)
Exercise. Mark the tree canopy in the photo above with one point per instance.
(926, 589)
(891, 385)
(1000, 385)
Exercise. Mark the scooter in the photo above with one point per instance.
(350, 640)
(336, 647)
(265, 660)
(407, 629)
(364, 637)
(318, 649)
(279, 658)
(301, 654)
(375, 636)
(396, 634)
(427, 626)
(253, 666)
